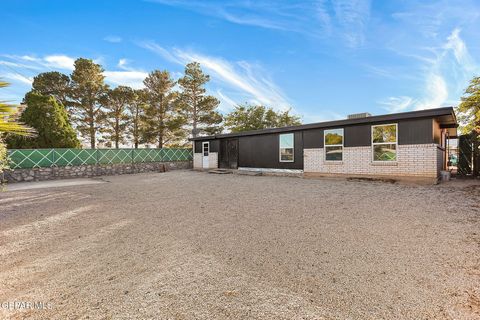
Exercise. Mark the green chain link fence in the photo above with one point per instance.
(42, 158)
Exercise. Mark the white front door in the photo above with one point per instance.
(205, 151)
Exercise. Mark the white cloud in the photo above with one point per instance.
(459, 48)
(113, 39)
(122, 63)
(397, 104)
(60, 62)
(130, 78)
(229, 102)
(29, 58)
(436, 93)
(243, 76)
(152, 46)
(18, 77)
(339, 19)
(352, 17)
(444, 71)
(20, 70)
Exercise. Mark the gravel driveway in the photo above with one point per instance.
(192, 245)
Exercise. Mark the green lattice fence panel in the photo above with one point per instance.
(36, 158)
(175, 154)
(111, 156)
(74, 157)
(146, 155)
(31, 158)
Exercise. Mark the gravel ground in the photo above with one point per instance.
(192, 245)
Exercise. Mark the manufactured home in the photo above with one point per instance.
(410, 144)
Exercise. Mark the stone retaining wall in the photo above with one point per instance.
(41, 174)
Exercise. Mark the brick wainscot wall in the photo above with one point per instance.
(212, 160)
(416, 160)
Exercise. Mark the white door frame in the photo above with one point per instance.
(205, 153)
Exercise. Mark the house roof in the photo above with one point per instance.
(445, 116)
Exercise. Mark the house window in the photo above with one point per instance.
(333, 141)
(384, 142)
(286, 147)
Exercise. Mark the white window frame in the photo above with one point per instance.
(207, 143)
(332, 145)
(380, 143)
(280, 147)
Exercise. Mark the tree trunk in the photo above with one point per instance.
(194, 124)
(117, 133)
(92, 135)
(160, 141)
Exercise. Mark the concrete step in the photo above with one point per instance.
(220, 171)
(249, 173)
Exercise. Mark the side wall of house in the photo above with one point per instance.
(418, 152)
(262, 151)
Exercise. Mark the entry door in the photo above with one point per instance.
(232, 146)
(206, 151)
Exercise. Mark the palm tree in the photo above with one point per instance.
(8, 124)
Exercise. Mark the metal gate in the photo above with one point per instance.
(469, 155)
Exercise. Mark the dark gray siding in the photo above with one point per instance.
(416, 131)
(214, 145)
(313, 138)
(261, 151)
(437, 133)
(198, 146)
(354, 136)
(357, 136)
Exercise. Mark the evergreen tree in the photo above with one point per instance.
(54, 84)
(161, 119)
(50, 121)
(469, 108)
(87, 91)
(251, 117)
(136, 113)
(198, 109)
(117, 102)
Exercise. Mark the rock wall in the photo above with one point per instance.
(41, 174)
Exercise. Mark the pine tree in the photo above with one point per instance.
(54, 84)
(87, 91)
(117, 102)
(162, 121)
(198, 109)
(136, 110)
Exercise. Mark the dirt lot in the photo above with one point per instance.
(191, 245)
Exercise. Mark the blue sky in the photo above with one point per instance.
(324, 59)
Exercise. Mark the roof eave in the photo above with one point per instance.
(437, 112)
